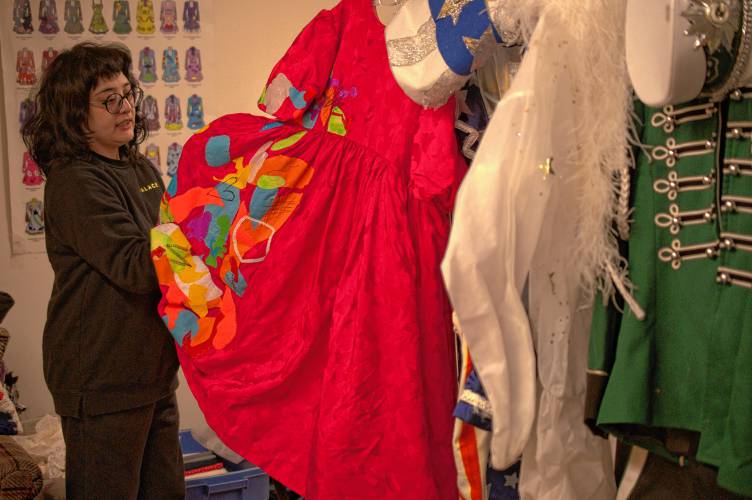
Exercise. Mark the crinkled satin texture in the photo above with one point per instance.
(339, 377)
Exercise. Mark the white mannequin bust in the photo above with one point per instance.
(664, 63)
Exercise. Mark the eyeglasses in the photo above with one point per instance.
(114, 102)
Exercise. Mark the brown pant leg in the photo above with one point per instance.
(663, 479)
(104, 452)
(162, 466)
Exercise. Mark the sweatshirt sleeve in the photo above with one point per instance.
(91, 216)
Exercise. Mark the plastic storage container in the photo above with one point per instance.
(243, 481)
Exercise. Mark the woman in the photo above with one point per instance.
(108, 359)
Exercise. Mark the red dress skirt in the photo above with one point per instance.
(299, 263)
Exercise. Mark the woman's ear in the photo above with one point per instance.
(85, 125)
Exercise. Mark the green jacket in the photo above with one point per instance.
(680, 381)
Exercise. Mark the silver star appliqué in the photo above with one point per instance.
(472, 44)
(453, 9)
(714, 23)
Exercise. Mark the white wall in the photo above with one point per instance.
(250, 36)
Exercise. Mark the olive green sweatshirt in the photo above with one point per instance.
(105, 348)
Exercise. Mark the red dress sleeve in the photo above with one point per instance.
(303, 72)
(436, 167)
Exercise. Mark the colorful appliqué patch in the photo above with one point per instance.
(279, 90)
(328, 108)
(209, 228)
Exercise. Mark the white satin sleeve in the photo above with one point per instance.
(499, 212)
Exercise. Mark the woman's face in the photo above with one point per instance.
(108, 130)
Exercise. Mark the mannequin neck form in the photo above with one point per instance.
(663, 64)
(386, 9)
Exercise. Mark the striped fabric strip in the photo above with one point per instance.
(470, 449)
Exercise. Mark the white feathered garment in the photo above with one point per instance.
(518, 219)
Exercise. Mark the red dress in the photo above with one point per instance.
(299, 263)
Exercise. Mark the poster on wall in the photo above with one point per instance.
(171, 43)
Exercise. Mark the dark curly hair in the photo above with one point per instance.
(56, 133)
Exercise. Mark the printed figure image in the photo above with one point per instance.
(32, 174)
(25, 67)
(152, 154)
(191, 16)
(193, 65)
(27, 110)
(98, 25)
(145, 17)
(168, 17)
(170, 70)
(151, 113)
(173, 158)
(48, 17)
(121, 17)
(173, 120)
(147, 66)
(22, 17)
(195, 112)
(34, 217)
(73, 18)
(47, 56)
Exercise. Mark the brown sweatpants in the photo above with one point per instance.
(131, 454)
(663, 479)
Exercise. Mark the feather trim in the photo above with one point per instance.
(594, 30)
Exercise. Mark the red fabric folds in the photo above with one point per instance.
(299, 264)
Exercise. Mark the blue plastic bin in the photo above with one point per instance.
(243, 481)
